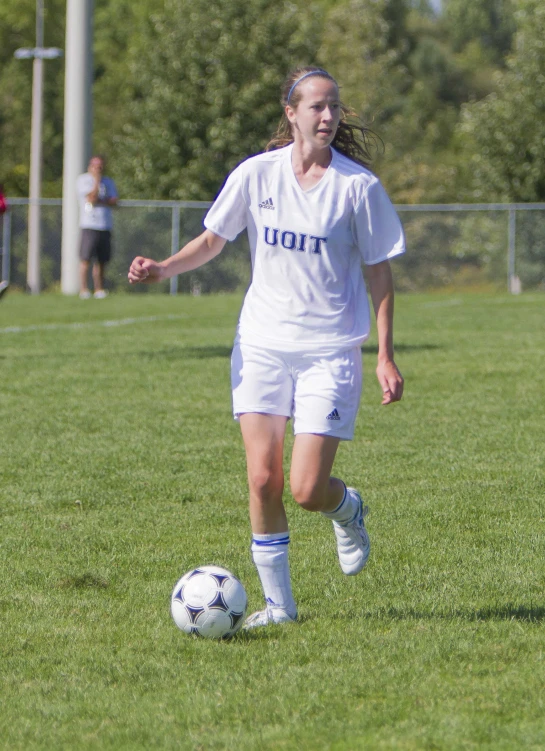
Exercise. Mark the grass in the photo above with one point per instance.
(121, 468)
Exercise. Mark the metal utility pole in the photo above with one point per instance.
(39, 54)
(77, 131)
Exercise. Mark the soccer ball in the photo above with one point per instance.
(209, 601)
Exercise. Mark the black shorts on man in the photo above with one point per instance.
(96, 243)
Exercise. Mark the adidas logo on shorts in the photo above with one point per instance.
(268, 204)
(333, 415)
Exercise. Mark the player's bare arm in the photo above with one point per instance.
(381, 287)
(196, 253)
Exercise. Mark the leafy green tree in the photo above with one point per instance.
(504, 134)
(490, 22)
(406, 85)
(408, 70)
(18, 29)
(113, 35)
(183, 90)
(203, 91)
(116, 42)
(365, 46)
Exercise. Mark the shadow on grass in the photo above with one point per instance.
(506, 612)
(88, 580)
(509, 612)
(186, 353)
(172, 353)
(373, 348)
(204, 353)
(267, 633)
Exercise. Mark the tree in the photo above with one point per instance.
(490, 22)
(203, 91)
(18, 29)
(365, 46)
(183, 90)
(406, 85)
(504, 135)
(116, 42)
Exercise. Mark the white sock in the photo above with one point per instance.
(270, 555)
(347, 509)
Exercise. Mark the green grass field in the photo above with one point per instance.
(121, 468)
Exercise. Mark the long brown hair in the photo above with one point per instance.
(352, 138)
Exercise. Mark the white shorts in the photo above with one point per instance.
(320, 392)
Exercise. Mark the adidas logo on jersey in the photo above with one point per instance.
(268, 204)
(333, 415)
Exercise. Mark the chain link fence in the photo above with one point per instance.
(495, 246)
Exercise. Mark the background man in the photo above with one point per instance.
(96, 195)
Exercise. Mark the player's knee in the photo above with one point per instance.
(307, 495)
(266, 483)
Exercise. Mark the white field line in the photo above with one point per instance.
(90, 324)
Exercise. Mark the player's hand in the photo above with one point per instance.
(145, 270)
(390, 380)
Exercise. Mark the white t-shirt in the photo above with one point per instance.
(307, 246)
(95, 217)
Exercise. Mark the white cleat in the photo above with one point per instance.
(353, 544)
(268, 617)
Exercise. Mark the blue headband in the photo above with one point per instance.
(305, 75)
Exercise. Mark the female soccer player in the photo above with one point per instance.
(313, 213)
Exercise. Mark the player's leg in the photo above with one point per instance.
(262, 399)
(314, 489)
(327, 394)
(263, 437)
(312, 485)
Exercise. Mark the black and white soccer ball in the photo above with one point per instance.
(209, 601)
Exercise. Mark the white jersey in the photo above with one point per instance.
(95, 217)
(307, 246)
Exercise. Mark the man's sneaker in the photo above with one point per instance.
(84, 294)
(353, 544)
(100, 294)
(267, 617)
